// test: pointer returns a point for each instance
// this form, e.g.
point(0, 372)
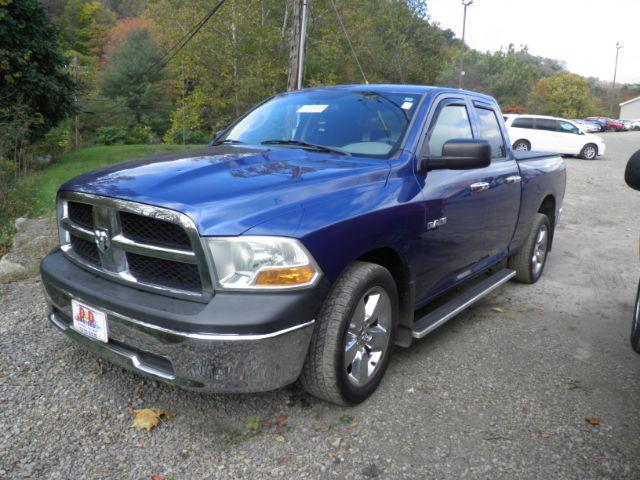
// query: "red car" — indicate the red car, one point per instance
point(610, 125)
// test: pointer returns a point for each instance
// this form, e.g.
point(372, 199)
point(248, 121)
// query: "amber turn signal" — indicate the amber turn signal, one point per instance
point(279, 277)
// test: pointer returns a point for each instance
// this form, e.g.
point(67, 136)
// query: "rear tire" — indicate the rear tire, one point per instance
point(521, 146)
point(529, 262)
point(635, 325)
point(589, 151)
point(353, 336)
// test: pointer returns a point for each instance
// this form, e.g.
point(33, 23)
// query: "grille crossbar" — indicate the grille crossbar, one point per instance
point(154, 248)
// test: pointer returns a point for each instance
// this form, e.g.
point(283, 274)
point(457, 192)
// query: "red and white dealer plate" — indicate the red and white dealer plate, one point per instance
point(89, 321)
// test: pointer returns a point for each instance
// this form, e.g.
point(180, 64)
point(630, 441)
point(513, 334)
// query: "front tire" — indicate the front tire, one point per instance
point(353, 336)
point(635, 325)
point(529, 262)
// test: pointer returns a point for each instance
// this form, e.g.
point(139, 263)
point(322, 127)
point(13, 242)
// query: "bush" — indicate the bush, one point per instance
point(141, 134)
point(111, 135)
point(56, 141)
point(189, 137)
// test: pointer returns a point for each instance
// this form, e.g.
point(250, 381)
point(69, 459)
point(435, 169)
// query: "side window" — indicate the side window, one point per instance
point(489, 130)
point(523, 123)
point(566, 127)
point(547, 124)
point(452, 122)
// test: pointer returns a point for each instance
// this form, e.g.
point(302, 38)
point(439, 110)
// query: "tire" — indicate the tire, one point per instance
point(635, 324)
point(521, 145)
point(343, 330)
point(589, 151)
point(529, 262)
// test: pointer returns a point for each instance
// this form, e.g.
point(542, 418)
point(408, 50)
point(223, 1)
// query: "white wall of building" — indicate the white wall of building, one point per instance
point(630, 110)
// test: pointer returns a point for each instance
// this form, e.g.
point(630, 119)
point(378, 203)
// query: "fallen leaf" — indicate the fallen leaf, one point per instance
point(345, 420)
point(157, 476)
point(148, 418)
point(544, 434)
point(280, 439)
point(497, 309)
point(280, 419)
point(265, 424)
point(592, 420)
point(253, 423)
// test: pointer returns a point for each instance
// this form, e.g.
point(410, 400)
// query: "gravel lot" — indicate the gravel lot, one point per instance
point(502, 391)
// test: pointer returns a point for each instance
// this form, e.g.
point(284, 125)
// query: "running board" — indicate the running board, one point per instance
point(442, 314)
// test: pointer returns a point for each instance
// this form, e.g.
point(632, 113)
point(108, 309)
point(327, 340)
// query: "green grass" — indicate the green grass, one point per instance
point(72, 164)
point(36, 195)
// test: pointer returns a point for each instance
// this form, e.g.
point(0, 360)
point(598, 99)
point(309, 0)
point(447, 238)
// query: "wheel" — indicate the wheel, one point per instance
point(635, 324)
point(522, 146)
point(529, 262)
point(353, 336)
point(589, 151)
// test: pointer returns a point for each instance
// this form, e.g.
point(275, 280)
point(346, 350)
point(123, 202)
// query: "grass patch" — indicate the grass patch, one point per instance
point(36, 195)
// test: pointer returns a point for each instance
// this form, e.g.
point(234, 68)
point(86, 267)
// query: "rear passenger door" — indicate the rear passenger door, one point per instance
point(503, 195)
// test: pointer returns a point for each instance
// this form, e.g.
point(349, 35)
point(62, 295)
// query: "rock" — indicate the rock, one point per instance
point(34, 238)
point(371, 471)
point(11, 271)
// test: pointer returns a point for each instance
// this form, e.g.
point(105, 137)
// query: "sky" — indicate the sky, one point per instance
point(581, 33)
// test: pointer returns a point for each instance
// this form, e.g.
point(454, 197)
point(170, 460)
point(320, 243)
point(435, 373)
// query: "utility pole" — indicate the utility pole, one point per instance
point(75, 99)
point(298, 38)
point(615, 73)
point(466, 3)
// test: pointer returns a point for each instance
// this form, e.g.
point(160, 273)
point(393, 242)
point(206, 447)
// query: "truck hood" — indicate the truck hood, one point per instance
point(229, 189)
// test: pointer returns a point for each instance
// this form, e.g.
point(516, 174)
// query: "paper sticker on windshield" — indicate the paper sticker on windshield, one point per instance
point(312, 108)
point(407, 105)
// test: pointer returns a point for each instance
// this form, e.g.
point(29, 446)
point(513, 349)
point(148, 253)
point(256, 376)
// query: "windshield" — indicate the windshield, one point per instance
point(358, 123)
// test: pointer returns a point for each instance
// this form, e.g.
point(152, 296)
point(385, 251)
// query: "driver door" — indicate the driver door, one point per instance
point(455, 202)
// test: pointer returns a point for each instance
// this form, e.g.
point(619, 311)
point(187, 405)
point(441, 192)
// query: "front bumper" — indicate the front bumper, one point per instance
point(154, 337)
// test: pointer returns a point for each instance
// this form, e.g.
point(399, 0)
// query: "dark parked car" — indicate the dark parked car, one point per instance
point(602, 126)
point(610, 125)
point(632, 177)
point(303, 241)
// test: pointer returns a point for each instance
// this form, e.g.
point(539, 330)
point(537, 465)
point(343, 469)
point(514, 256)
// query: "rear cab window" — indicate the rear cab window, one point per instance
point(489, 129)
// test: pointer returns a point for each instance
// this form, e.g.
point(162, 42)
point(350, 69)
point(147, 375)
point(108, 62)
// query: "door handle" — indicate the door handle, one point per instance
point(479, 187)
point(513, 179)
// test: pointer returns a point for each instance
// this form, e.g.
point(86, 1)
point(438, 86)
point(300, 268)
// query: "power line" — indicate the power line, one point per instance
point(353, 51)
point(173, 51)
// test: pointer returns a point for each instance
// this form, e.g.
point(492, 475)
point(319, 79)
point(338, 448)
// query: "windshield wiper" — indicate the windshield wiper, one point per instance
point(300, 143)
point(227, 141)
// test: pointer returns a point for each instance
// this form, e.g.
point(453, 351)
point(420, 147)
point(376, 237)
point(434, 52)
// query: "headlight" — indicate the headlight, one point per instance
point(261, 262)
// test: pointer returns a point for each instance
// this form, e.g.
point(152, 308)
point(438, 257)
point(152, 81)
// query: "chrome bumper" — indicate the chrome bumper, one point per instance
point(205, 362)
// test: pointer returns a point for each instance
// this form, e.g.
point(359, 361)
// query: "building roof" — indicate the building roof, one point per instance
point(630, 101)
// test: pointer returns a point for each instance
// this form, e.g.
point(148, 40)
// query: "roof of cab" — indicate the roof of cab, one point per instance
point(399, 88)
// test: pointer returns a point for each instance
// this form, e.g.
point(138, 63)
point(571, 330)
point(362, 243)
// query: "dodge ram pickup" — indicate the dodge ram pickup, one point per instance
point(315, 233)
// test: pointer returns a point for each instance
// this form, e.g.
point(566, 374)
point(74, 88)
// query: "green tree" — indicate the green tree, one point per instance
point(32, 76)
point(84, 27)
point(133, 78)
point(562, 94)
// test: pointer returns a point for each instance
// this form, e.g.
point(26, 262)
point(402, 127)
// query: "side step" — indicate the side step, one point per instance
point(440, 315)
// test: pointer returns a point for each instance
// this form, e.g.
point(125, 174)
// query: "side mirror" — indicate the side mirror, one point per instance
point(216, 137)
point(460, 154)
point(632, 173)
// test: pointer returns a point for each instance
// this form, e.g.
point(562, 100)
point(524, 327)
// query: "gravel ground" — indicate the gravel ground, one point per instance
point(502, 391)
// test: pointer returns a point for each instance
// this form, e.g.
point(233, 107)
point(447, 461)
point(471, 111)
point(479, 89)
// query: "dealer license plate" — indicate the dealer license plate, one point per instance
point(89, 321)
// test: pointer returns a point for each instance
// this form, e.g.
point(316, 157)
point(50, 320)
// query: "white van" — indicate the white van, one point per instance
point(551, 134)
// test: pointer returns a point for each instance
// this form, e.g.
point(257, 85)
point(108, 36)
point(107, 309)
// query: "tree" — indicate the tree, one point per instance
point(562, 94)
point(32, 76)
point(132, 76)
point(84, 27)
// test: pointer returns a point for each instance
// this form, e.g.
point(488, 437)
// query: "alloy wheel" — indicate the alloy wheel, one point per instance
point(367, 337)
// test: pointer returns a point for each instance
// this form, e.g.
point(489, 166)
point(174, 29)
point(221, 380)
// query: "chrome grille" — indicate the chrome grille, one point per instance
point(152, 248)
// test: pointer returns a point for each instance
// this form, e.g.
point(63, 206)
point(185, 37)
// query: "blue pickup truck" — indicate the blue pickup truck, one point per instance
point(316, 232)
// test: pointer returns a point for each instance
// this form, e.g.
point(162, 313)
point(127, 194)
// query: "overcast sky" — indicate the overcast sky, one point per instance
point(582, 33)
